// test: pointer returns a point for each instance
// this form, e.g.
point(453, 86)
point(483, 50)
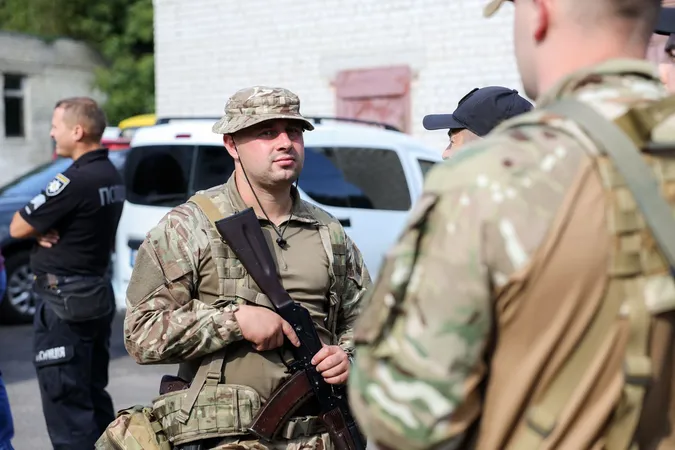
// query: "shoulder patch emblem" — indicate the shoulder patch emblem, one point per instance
point(57, 185)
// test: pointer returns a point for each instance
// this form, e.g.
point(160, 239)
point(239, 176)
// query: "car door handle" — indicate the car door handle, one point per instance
point(345, 222)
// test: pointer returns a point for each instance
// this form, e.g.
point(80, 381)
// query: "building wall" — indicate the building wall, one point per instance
point(207, 49)
point(50, 71)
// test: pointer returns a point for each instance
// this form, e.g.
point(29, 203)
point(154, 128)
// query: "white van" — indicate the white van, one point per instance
point(367, 177)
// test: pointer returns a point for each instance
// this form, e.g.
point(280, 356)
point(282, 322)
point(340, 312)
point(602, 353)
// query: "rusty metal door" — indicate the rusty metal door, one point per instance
point(381, 94)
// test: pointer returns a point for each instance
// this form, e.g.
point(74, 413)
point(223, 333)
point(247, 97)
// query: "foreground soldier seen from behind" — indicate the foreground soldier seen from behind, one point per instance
point(190, 300)
point(526, 304)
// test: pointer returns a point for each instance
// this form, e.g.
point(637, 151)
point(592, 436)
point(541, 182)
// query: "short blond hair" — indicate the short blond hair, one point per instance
point(644, 12)
point(84, 111)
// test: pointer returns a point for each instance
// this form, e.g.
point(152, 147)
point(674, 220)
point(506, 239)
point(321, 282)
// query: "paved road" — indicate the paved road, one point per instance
point(129, 383)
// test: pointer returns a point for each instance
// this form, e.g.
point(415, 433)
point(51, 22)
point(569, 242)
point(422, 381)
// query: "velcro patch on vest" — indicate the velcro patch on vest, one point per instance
point(340, 249)
point(55, 355)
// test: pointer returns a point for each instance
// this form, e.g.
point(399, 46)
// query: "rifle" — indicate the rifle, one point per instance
point(243, 235)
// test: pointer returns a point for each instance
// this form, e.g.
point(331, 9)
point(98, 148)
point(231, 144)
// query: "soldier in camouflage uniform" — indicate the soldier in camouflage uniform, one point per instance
point(189, 297)
point(514, 250)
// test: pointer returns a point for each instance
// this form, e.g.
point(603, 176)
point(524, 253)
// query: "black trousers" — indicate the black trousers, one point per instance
point(71, 360)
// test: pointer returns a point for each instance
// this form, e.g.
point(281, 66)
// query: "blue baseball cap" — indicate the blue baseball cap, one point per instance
point(480, 110)
point(666, 23)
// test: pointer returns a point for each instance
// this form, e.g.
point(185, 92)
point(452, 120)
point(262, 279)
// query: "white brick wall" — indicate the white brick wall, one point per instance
point(207, 49)
point(52, 70)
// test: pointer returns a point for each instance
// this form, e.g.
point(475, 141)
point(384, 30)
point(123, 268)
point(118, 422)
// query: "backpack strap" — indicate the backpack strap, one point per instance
point(221, 253)
point(334, 240)
point(624, 294)
point(208, 208)
point(211, 368)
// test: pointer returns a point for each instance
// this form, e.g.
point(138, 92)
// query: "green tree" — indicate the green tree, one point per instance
point(120, 30)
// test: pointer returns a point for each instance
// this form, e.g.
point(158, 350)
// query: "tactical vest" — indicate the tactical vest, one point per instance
point(210, 408)
point(639, 289)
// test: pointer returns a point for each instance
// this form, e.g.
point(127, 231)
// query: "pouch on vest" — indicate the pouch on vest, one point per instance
point(134, 428)
point(76, 299)
point(208, 408)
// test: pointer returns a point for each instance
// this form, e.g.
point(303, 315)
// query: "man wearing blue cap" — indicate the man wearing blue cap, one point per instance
point(664, 47)
point(476, 115)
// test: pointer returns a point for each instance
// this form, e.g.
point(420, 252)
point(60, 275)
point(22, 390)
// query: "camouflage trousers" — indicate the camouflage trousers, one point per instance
point(318, 442)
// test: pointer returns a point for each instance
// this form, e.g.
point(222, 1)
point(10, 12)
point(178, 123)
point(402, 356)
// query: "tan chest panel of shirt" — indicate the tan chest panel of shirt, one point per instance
point(303, 269)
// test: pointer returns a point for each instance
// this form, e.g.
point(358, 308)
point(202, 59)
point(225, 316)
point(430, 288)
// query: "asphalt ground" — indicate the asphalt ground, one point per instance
point(129, 384)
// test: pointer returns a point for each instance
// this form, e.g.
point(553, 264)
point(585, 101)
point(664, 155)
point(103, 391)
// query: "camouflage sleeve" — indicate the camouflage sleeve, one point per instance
point(421, 340)
point(163, 322)
point(357, 283)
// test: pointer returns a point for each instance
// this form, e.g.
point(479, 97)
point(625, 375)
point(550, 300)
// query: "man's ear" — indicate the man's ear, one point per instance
point(78, 133)
point(542, 11)
point(230, 146)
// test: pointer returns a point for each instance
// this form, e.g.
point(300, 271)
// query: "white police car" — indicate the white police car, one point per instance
point(368, 177)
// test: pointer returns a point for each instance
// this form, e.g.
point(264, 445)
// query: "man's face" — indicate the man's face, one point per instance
point(272, 153)
point(63, 133)
point(458, 139)
point(656, 53)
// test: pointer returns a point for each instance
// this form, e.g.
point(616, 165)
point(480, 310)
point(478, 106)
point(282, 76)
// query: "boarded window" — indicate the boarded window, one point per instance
point(381, 95)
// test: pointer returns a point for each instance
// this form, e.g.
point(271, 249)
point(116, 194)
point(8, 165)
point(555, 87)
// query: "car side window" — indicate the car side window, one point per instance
point(363, 178)
point(425, 166)
point(214, 166)
point(158, 175)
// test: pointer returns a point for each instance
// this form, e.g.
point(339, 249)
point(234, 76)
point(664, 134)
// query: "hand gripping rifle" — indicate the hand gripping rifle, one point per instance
point(243, 235)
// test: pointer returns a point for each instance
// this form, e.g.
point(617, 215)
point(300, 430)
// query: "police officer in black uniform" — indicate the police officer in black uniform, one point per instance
point(74, 219)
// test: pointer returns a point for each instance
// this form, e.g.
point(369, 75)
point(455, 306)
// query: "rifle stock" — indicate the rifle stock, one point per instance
point(281, 405)
point(242, 233)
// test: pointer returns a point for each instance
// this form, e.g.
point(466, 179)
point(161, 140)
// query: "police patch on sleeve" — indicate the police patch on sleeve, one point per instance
point(57, 185)
point(34, 204)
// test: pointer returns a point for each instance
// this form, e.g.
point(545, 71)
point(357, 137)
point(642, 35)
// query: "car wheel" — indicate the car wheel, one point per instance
point(18, 304)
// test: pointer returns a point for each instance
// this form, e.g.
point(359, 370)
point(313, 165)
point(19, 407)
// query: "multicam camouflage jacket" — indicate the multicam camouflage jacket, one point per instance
point(425, 339)
point(170, 314)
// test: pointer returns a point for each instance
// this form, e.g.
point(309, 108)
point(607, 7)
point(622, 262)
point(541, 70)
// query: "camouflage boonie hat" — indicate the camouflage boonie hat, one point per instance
point(492, 7)
point(256, 104)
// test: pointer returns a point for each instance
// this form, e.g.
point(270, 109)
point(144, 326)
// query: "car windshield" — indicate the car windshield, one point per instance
point(33, 181)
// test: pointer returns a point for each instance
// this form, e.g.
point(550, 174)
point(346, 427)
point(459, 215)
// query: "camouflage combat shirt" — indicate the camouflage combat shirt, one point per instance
point(170, 314)
point(424, 340)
